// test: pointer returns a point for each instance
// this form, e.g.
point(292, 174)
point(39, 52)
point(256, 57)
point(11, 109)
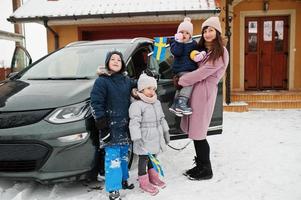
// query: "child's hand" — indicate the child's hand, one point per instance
point(179, 37)
point(199, 56)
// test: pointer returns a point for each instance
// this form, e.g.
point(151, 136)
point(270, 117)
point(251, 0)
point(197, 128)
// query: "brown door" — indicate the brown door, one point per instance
point(266, 53)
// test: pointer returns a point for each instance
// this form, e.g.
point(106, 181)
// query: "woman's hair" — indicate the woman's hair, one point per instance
point(216, 45)
point(108, 57)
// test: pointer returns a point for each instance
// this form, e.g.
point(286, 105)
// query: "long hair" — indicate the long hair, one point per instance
point(217, 47)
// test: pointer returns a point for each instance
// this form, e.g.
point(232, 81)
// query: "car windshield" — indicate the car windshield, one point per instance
point(74, 62)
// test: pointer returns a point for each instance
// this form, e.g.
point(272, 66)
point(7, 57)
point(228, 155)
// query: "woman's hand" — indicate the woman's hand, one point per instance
point(197, 56)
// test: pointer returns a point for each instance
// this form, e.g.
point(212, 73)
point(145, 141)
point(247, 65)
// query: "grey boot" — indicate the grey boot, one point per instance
point(173, 108)
point(182, 105)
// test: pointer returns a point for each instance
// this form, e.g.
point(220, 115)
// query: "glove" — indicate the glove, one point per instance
point(179, 37)
point(104, 135)
point(197, 56)
point(101, 123)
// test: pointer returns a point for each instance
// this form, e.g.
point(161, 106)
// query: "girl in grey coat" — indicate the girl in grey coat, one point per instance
point(149, 132)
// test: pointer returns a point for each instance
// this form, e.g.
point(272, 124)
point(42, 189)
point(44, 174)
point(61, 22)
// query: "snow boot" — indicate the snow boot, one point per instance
point(173, 108)
point(182, 106)
point(146, 186)
point(126, 185)
point(114, 195)
point(204, 172)
point(192, 170)
point(154, 178)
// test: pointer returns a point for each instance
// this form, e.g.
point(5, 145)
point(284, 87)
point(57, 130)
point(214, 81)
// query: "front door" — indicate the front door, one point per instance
point(266, 53)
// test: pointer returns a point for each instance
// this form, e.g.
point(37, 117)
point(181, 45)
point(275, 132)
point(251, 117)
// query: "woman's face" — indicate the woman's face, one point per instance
point(149, 91)
point(115, 63)
point(209, 34)
point(186, 36)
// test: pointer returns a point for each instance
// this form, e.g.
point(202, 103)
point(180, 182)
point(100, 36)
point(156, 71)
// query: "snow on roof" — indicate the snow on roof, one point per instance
point(76, 10)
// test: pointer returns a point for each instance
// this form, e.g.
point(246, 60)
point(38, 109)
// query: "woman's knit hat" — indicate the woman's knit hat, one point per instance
point(108, 57)
point(186, 25)
point(213, 22)
point(145, 81)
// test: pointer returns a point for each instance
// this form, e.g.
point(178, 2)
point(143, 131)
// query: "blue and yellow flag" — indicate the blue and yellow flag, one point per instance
point(160, 47)
point(156, 164)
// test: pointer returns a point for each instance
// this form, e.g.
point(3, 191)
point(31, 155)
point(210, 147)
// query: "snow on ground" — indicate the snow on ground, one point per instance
point(258, 157)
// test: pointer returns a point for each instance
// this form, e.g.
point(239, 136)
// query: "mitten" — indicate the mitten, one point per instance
point(199, 57)
point(179, 37)
point(105, 135)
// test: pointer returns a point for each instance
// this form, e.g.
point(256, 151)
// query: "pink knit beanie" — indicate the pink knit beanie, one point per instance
point(186, 25)
point(213, 22)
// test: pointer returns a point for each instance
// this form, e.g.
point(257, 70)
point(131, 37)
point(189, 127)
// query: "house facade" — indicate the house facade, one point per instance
point(264, 44)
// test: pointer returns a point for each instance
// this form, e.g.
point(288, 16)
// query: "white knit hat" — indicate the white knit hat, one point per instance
point(145, 81)
point(213, 22)
point(186, 25)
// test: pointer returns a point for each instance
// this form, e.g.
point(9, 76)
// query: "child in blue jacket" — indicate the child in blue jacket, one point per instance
point(110, 101)
point(181, 47)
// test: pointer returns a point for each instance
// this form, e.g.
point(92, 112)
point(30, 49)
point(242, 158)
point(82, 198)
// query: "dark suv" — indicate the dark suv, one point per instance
point(47, 132)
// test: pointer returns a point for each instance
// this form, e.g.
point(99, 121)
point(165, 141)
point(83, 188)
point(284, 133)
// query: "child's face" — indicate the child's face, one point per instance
point(149, 91)
point(115, 63)
point(209, 34)
point(186, 36)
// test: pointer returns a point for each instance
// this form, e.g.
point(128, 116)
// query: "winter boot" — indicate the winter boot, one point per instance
point(173, 108)
point(204, 172)
point(192, 170)
point(154, 178)
point(182, 106)
point(114, 195)
point(146, 186)
point(126, 185)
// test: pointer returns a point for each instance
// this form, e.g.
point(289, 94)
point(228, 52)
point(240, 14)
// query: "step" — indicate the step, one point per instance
point(291, 104)
point(236, 107)
point(266, 96)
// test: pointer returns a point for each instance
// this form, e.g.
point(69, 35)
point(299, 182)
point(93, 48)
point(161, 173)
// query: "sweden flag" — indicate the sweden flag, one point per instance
point(160, 47)
point(156, 164)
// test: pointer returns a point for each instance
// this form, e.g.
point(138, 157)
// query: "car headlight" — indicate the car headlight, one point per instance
point(73, 138)
point(71, 113)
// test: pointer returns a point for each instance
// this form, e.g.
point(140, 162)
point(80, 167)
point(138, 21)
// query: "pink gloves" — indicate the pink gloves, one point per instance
point(179, 37)
point(197, 56)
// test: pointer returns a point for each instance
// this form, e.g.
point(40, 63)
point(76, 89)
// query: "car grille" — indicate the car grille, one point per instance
point(23, 157)
point(15, 119)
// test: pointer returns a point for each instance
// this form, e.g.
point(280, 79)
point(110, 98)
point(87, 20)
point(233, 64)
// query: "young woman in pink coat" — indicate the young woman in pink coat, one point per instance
point(205, 80)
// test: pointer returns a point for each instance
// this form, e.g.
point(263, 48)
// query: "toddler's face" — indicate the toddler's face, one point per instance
point(149, 91)
point(115, 63)
point(186, 36)
point(209, 34)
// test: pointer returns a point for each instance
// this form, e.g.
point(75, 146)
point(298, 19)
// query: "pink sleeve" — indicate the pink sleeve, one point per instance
point(204, 71)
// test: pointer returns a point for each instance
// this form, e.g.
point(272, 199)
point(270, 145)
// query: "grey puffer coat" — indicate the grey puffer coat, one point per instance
point(148, 127)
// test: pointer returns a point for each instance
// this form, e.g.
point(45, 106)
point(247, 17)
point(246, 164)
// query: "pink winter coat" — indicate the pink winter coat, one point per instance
point(205, 80)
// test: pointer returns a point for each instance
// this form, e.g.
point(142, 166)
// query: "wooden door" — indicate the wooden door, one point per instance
point(266, 53)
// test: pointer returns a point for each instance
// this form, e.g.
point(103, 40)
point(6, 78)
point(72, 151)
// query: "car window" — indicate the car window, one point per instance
point(72, 62)
point(138, 62)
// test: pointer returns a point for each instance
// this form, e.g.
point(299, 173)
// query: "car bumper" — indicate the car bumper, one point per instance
point(34, 152)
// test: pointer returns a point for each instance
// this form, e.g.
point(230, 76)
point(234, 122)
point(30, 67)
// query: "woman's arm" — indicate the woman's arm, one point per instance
point(204, 71)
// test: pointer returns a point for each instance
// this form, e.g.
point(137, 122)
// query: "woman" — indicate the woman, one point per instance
point(205, 80)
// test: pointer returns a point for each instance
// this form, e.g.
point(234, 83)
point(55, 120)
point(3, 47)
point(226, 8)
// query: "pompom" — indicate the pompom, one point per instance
point(187, 19)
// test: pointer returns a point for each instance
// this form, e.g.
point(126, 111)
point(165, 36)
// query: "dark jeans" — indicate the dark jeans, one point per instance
point(142, 163)
point(202, 150)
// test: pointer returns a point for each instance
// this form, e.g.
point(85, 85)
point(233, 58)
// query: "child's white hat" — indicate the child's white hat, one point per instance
point(186, 25)
point(145, 81)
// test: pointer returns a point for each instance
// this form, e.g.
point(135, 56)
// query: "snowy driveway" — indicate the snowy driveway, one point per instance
point(258, 157)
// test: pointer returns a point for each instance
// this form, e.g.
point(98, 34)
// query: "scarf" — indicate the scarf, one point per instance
point(147, 99)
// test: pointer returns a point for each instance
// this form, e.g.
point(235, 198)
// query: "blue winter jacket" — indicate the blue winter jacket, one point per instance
point(110, 98)
point(181, 52)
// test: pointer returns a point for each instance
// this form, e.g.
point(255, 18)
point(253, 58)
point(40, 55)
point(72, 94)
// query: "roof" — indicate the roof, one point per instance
point(111, 11)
